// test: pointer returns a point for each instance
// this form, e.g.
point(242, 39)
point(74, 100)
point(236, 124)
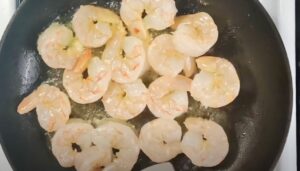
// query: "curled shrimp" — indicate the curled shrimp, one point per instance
point(195, 34)
point(66, 142)
point(127, 66)
point(168, 96)
point(160, 14)
point(58, 47)
point(217, 84)
point(95, 154)
point(95, 25)
point(52, 107)
point(125, 101)
point(90, 89)
point(92, 159)
point(160, 139)
point(205, 142)
point(122, 138)
point(164, 58)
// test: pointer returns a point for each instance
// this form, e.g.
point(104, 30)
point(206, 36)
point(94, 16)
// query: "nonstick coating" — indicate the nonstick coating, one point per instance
point(258, 120)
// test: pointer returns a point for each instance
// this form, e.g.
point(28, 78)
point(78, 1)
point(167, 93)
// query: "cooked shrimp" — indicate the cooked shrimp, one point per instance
point(90, 89)
point(128, 67)
point(205, 142)
point(160, 139)
point(131, 13)
point(92, 159)
point(195, 34)
point(217, 84)
point(164, 58)
point(95, 25)
point(160, 14)
point(52, 107)
point(58, 47)
point(125, 101)
point(65, 142)
point(122, 138)
point(95, 151)
point(167, 166)
point(168, 96)
point(190, 67)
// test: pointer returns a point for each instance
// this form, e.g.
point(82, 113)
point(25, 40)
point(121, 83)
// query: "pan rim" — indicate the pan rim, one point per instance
point(290, 81)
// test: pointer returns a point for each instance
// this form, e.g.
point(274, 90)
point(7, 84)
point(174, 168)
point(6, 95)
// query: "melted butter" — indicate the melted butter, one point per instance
point(155, 33)
point(54, 77)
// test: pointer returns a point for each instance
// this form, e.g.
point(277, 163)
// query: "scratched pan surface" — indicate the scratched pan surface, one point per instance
point(257, 121)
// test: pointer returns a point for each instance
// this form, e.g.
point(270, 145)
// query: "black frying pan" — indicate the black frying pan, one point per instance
point(258, 119)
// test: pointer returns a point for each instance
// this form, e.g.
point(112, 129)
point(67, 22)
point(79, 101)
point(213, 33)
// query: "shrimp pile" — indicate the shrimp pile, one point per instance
point(106, 65)
point(87, 148)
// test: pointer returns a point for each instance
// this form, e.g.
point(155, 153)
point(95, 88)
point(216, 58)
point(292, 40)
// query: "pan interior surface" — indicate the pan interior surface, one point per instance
point(256, 122)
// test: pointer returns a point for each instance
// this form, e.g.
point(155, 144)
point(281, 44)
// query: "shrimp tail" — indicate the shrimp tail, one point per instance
point(27, 104)
point(83, 61)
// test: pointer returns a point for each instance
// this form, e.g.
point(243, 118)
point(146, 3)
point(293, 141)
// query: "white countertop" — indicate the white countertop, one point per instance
point(282, 13)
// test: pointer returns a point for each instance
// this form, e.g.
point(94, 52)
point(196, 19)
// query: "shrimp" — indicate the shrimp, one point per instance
point(58, 47)
point(122, 138)
point(92, 159)
point(96, 152)
point(195, 34)
point(168, 96)
point(129, 66)
point(160, 139)
point(160, 14)
point(90, 89)
point(217, 84)
point(66, 142)
point(190, 67)
point(52, 107)
point(164, 58)
point(205, 142)
point(161, 166)
point(95, 25)
point(125, 101)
